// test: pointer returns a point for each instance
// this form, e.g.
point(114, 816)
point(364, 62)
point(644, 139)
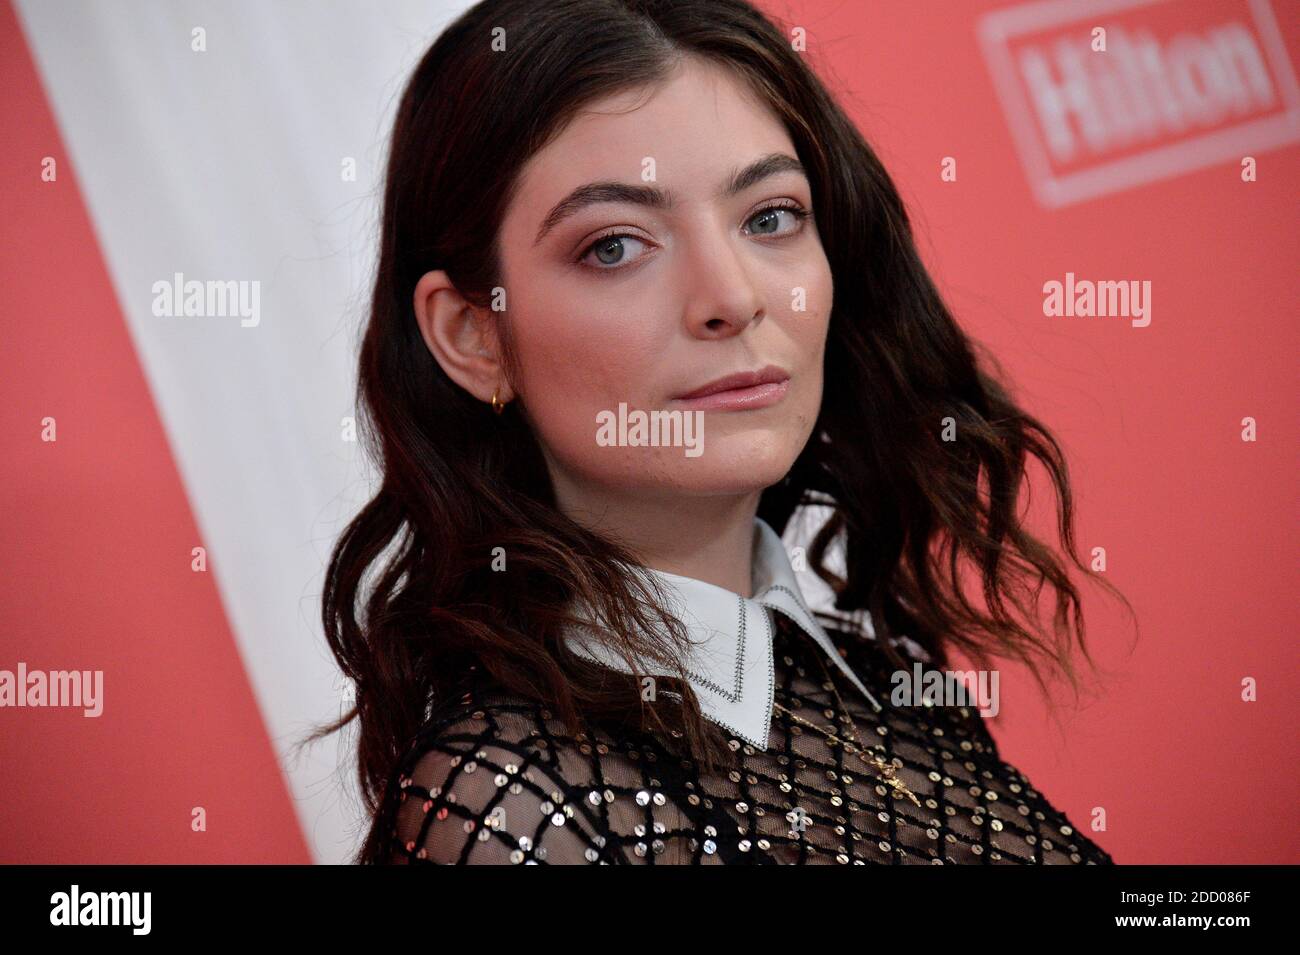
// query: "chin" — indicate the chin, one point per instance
point(734, 459)
point(740, 462)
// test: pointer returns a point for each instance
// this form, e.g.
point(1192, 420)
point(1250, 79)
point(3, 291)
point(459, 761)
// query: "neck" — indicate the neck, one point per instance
point(708, 538)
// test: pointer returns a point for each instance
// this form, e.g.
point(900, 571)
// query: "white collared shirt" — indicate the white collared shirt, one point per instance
point(731, 665)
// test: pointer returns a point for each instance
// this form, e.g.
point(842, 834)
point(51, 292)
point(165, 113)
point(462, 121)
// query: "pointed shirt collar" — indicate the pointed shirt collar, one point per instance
point(731, 664)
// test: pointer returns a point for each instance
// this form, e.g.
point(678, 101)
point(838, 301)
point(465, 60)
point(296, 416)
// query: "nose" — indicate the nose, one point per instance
point(722, 298)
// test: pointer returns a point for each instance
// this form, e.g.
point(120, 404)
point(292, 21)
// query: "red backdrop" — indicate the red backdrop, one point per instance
point(1052, 177)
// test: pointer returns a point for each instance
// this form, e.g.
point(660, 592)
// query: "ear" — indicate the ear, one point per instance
point(460, 337)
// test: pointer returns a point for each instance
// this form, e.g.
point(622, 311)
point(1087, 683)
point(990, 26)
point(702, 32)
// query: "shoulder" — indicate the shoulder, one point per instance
point(481, 784)
point(498, 780)
point(953, 745)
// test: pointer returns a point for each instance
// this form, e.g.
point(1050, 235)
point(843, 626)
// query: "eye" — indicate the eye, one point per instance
point(769, 219)
point(611, 251)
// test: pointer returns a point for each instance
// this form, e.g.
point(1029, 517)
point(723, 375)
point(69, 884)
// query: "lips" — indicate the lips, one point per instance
point(743, 391)
point(769, 375)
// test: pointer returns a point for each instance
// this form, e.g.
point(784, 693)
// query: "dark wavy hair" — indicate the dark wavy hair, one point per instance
point(910, 510)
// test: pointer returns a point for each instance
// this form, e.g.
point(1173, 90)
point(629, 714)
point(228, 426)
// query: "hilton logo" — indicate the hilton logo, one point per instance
point(1109, 94)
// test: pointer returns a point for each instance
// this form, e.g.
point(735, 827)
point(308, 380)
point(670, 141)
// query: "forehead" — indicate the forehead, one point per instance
point(697, 125)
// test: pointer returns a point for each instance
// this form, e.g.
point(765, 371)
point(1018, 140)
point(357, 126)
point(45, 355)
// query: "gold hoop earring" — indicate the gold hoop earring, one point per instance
point(497, 405)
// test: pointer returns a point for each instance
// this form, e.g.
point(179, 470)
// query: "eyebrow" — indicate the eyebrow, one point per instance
point(655, 198)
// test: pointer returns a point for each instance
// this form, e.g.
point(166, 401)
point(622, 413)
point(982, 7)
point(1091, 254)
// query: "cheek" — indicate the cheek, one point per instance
point(823, 296)
point(580, 358)
point(576, 362)
point(809, 332)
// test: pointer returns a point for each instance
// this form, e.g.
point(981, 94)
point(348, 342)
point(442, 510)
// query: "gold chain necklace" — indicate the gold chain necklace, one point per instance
point(888, 773)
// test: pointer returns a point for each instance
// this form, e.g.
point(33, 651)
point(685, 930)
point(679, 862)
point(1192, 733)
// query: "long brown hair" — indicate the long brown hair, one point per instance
point(910, 509)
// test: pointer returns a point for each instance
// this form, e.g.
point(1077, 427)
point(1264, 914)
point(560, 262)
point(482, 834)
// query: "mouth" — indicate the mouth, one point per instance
point(742, 391)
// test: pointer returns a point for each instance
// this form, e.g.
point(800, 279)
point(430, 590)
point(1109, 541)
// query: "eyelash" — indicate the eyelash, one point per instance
point(800, 213)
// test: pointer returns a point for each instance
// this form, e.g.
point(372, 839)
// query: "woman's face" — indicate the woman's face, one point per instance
point(613, 301)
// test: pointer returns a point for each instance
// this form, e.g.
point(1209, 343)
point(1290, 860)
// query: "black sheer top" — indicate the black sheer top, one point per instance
point(496, 780)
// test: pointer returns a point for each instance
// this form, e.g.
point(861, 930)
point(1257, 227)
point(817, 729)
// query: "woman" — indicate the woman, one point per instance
point(643, 291)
